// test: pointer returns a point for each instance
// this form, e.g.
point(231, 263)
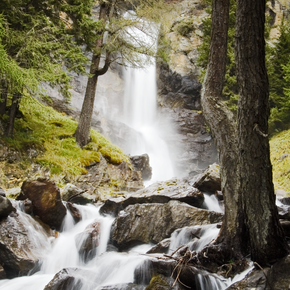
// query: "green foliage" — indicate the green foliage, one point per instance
point(230, 90)
point(52, 133)
point(279, 79)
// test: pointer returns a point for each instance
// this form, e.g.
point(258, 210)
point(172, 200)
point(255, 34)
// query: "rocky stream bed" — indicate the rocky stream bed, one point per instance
point(145, 239)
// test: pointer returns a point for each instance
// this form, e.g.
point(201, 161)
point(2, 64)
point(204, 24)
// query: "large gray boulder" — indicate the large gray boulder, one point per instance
point(151, 223)
point(209, 180)
point(159, 192)
point(18, 252)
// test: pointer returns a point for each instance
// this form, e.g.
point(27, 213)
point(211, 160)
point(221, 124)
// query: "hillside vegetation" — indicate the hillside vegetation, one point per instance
point(50, 134)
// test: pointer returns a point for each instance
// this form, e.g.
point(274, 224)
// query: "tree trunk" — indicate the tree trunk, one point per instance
point(223, 127)
point(82, 133)
point(266, 236)
point(4, 93)
point(13, 111)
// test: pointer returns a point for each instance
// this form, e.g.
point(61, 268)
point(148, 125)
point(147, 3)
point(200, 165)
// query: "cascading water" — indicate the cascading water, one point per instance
point(140, 113)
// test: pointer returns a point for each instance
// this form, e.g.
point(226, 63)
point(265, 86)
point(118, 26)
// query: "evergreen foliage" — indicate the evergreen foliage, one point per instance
point(279, 79)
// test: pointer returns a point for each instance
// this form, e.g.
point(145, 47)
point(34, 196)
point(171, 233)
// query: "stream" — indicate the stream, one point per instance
point(105, 268)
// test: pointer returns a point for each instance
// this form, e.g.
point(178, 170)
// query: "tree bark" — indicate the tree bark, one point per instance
point(4, 93)
point(266, 236)
point(13, 111)
point(82, 133)
point(223, 127)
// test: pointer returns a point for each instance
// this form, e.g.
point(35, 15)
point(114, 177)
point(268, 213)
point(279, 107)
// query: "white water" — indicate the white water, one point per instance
point(106, 268)
point(140, 113)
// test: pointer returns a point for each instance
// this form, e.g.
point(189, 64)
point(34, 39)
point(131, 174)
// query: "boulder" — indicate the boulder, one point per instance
point(160, 192)
point(18, 253)
point(65, 279)
point(5, 207)
point(209, 181)
point(135, 224)
point(161, 247)
point(74, 194)
point(88, 241)
point(2, 192)
point(2, 273)
point(141, 163)
point(76, 214)
point(46, 201)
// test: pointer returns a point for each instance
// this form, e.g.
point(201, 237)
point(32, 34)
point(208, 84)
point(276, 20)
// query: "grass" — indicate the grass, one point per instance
point(280, 145)
point(51, 133)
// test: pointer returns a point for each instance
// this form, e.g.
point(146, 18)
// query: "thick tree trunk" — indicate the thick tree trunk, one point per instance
point(13, 111)
point(266, 235)
point(82, 133)
point(223, 127)
point(4, 93)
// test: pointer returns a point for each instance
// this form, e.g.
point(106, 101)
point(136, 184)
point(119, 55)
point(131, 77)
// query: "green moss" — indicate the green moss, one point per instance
point(185, 27)
point(51, 133)
point(158, 283)
point(280, 146)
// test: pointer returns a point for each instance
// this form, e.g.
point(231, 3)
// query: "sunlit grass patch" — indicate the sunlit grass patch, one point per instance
point(51, 133)
point(280, 158)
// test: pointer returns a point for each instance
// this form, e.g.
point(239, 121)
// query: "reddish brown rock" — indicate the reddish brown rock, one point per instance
point(46, 201)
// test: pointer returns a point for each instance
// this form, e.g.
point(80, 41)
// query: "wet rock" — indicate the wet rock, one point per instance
point(141, 163)
point(209, 181)
point(5, 207)
point(125, 286)
point(135, 224)
point(88, 241)
point(2, 273)
point(161, 282)
point(2, 192)
point(76, 214)
point(161, 247)
point(65, 279)
point(46, 201)
point(17, 248)
point(160, 192)
point(286, 227)
point(279, 274)
point(74, 194)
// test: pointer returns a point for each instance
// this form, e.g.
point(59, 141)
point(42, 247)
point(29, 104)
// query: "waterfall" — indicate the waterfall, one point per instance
point(140, 113)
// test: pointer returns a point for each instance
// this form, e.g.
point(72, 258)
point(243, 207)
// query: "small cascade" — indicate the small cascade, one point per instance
point(212, 203)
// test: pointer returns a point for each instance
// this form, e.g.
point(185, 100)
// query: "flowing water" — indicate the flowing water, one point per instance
point(105, 267)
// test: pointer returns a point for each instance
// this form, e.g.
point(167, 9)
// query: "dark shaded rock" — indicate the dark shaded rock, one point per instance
point(209, 181)
point(28, 207)
point(2, 273)
point(254, 280)
point(285, 200)
point(284, 212)
point(141, 163)
point(5, 207)
point(74, 194)
point(2, 192)
point(161, 247)
point(134, 225)
point(88, 241)
point(17, 247)
point(177, 90)
point(46, 201)
point(286, 227)
point(190, 276)
point(160, 192)
point(65, 279)
point(279, 274)
point(76, 214)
